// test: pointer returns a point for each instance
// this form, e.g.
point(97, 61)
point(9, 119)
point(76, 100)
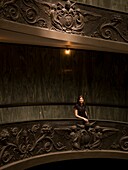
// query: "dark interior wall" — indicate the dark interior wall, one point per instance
point(119, 5)
point(78, 163)
point(42, 82)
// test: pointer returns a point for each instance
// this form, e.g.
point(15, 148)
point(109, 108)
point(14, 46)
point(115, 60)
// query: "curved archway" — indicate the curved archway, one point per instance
point(91, 163)
point(63, 157)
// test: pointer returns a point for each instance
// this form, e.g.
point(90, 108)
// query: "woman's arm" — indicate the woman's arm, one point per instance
point(80, 117)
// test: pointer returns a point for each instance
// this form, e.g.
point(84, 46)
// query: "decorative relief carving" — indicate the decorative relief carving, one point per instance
point(123, 140)
point(68, 17)
point(113, 29)
point(20, 142)
point(92, 138)
point(24, 11)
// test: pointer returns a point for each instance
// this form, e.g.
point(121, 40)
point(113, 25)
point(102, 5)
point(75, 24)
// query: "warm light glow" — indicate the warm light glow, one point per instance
point(67, 51)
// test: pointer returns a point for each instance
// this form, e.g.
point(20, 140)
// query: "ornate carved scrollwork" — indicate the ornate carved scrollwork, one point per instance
point(27, 140)
point(26, 12)
point(67, 17)
point(92, 138)
point(112, 29)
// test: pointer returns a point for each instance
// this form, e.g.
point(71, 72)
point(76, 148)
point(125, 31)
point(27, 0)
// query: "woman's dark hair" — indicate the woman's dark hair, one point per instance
point(79, 98)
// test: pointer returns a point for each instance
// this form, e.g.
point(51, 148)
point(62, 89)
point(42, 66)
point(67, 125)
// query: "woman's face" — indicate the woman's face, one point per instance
point(81, 100)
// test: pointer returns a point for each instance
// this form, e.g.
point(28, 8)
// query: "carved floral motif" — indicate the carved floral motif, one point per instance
point(111, 29)
point(68, 17)
point(20, 142)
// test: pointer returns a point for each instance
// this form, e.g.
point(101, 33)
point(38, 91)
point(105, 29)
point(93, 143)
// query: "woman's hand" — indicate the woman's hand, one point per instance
point(86, 120)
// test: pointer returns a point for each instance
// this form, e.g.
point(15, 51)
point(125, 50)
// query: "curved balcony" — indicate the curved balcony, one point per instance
point(62, 24)
point(28, 144)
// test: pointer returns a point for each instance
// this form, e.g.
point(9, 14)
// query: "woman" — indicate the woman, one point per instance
point(80, 110)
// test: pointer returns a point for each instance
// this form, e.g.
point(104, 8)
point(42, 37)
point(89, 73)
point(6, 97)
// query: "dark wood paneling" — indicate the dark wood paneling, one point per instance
point(42, 82)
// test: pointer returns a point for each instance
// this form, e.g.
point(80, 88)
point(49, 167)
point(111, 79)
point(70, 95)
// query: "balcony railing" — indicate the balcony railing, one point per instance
point(39, 142)
point(63, 23)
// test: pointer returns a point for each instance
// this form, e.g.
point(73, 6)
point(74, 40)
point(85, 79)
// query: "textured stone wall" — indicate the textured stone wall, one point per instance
point(120, 5)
